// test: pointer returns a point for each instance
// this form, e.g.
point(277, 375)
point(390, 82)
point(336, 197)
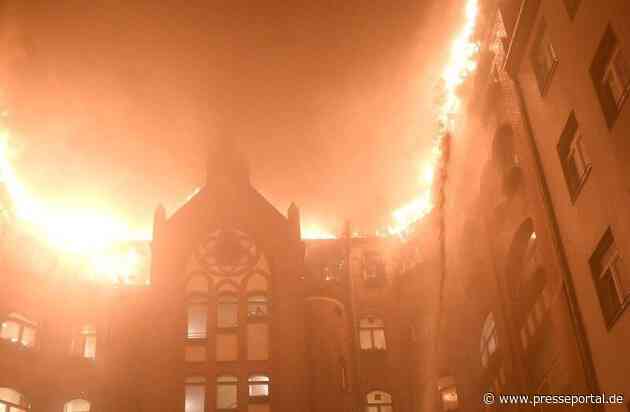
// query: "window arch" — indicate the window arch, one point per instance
point(257, 306)
point(77, 405)
point(372, 333)
point(489, 341)
point(13, 401)
point(259, 387)
point(84, 342)
point(227, 393)
point(195, 394)
point(197, 318)
point(378, 401)
point(19, 329)
point(227, 311)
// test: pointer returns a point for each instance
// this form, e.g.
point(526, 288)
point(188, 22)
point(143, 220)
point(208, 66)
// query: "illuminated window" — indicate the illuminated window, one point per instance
point(610, 73)
point(489, 341)
point(227, 311)
point(543, 57)
point(372, 333)
point(197, 319)
point(257, 306)
point(378, 401)
point(84, 342)
point(227, 393)
point(195, 394)
point(258, 387)
point(13, 401)
point(19, 329)
point(611, 278)
point(573, 156)
point(77, 405)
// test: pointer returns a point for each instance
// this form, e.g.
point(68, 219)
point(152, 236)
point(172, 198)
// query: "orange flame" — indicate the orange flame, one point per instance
point(462, 62)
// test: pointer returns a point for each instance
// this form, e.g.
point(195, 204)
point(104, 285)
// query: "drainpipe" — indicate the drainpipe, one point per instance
point(574, 309)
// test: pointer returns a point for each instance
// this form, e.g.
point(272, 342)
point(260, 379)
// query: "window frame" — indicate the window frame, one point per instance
point(607, 50)
point(24, 405)
point(219, 383)
point(613, 268)
point(371, 331)
point(380, 406)
point(235, 303)
point(65, 405)
point(251, 383)
point(197, 381)
point(197, 300)
point(79, 341)
point(22, 323)
point(253, 317)
point(571, 142)
point(543, 39)
point(488, 333)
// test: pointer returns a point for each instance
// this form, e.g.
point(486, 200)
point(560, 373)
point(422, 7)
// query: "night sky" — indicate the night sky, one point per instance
point(114, 101)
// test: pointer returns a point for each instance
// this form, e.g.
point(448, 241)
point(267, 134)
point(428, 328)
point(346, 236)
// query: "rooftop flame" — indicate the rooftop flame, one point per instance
point(462, 62)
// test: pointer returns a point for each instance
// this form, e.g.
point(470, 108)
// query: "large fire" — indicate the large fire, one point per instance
point(462, 62)
point(89, 235)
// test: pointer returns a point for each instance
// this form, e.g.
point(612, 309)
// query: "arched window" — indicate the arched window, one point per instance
point(489, 342)
point(19, 329)
point(195, 394)
point(77, 405)
point(84, 342)
point(13, 401)
point(197, 318)
point(378, 401)
point(257, 306)
point(258, 387)
point(227, 393)
point(227, 311)
point(372, 333)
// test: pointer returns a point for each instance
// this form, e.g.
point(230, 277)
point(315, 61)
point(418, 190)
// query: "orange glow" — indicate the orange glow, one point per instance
point(316, 232)
point(462, 62)
point(85, 234)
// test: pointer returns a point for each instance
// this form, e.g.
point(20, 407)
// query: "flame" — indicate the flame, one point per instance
point(89, 234)
point(461, 64)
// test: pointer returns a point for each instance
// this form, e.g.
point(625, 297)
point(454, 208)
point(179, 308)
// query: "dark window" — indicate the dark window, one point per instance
point(575, 162)
point(611, 75)
point(543, 57)
point(610, 277)
point(373, 268)
point(572, 7)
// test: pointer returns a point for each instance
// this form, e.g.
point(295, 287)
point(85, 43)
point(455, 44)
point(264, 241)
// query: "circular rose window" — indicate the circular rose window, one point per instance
point(227, 253)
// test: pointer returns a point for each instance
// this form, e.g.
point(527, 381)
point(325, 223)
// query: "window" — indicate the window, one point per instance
point(195, 394)
point(372, 334)
point(489, 341)
point(227, 393)
point(227, 311)
point(373, 267)
point(378, 401)
point(572, 7)
point(610, 73)
point(610, 277)
point(543, 57)
point(573, 157)
point(343, 369)
point(77, 405)
point(19, 329)
point(258, 387)
point(257, 306)
point(12, 401)
point(197, 319)
point(84, 342)
point(195, 352)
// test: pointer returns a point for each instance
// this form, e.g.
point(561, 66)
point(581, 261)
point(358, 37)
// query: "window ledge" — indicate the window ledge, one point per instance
point(576, 192)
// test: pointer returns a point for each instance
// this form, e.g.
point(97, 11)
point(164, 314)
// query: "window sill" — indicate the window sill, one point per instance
point(259, 399)
point(576, 192)
point(611, 323)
